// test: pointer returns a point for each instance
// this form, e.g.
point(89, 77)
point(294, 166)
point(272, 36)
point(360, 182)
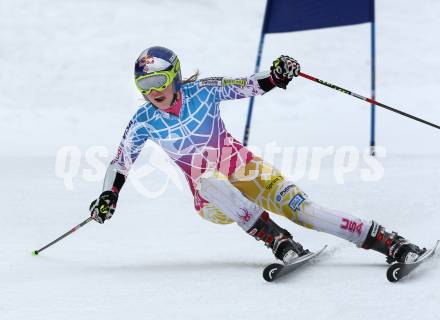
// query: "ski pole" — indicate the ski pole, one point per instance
point(335, 87)
point(36, 252)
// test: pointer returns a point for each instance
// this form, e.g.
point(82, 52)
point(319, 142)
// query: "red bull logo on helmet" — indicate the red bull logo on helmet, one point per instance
point(145, 61)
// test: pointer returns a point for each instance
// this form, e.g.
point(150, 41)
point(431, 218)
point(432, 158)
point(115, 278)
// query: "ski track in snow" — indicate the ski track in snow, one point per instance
point(67, 80)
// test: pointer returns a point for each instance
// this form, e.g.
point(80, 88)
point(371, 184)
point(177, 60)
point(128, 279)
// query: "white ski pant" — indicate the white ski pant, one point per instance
point(242, 197)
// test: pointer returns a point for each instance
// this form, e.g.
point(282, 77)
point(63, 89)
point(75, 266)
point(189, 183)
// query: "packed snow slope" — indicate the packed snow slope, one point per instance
point(66, 80)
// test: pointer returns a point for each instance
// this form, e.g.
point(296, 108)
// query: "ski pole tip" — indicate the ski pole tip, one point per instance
point(35, 253)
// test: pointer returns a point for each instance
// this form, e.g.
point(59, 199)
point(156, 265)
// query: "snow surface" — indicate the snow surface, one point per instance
point(66, 80)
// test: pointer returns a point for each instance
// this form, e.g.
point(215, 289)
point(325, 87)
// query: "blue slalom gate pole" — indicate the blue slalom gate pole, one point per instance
point(257, 69)
point(251, 100)
point(373, 83)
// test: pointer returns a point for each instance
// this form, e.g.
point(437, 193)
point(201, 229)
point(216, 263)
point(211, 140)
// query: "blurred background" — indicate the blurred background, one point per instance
point(67, 71)
point(67, 80)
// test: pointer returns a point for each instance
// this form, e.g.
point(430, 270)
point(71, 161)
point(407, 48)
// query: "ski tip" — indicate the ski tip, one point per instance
point(35, 253)
point(270, 272)
point(393, 273)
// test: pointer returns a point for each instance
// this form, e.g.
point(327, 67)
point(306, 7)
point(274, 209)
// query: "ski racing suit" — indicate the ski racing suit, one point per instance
point(228, 182)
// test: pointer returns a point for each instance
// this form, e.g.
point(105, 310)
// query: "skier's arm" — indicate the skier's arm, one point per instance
point(113, 180)
point(238, 88)
point(282, 71)
point(133, 140)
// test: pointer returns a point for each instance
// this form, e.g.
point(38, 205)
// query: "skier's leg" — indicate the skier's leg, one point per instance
point(213, 214)
point(272, 191)
point(221, 194)
point(227, 204)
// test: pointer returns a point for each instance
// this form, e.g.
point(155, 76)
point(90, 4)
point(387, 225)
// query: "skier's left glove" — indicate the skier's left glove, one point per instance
point(283, 70)
point(103, 208)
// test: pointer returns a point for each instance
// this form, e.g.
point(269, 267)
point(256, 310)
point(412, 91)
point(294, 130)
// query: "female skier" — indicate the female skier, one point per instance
point(228, 182)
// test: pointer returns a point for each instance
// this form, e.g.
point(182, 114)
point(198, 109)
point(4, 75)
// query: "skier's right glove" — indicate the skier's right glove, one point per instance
point(283, 70)
point(103, 208)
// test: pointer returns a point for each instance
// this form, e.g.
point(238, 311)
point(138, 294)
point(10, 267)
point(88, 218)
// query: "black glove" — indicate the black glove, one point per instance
point(103, 208)
point(283, 70)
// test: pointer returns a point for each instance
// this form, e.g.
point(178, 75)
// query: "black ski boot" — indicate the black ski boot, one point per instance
point(395, 247)
point(276, 238)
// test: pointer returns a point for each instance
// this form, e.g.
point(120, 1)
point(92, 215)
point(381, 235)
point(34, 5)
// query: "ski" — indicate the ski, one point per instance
point(277, 270)
point(398, 270)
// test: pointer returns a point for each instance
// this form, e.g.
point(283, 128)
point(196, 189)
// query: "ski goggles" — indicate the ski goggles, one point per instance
point(158, 80)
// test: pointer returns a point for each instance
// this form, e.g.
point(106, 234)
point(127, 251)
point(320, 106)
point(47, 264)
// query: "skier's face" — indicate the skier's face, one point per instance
point(161, 99)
